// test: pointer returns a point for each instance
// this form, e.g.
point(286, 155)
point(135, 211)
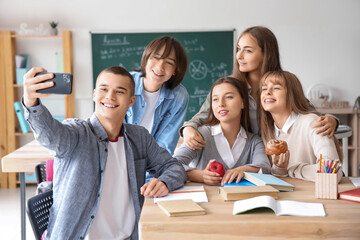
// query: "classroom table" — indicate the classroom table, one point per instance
point(24, 160)
point(342, 219)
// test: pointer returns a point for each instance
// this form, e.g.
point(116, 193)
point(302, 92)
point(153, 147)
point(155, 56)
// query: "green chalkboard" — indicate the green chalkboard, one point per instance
point(210, 56)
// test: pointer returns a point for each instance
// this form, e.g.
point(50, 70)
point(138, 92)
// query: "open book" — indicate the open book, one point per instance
point(283, 207)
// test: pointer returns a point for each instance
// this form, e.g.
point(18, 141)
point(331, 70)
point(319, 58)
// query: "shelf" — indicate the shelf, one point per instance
point(29, 182)
point(12, 90)
point(340, 111)
point(24, 134)
point(36, 36)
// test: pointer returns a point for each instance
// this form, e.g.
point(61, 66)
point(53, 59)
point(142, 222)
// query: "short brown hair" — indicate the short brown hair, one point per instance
point(117, 70)
point(181, 61)
point(242, 88)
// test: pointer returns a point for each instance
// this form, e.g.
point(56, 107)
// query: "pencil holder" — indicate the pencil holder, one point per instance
point(326, 185)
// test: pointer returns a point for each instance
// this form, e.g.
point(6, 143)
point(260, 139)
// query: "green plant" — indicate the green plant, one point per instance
point(53, 24)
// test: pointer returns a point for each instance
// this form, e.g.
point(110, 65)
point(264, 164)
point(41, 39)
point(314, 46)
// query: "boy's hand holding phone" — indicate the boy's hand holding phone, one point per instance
point(39, 83)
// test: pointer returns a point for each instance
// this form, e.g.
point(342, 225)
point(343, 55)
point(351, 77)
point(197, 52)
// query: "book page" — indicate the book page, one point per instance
point(295, 208)
point(242, 206)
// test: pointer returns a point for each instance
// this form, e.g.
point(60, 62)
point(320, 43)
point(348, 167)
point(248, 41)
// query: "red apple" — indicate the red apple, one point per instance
point(217, 167)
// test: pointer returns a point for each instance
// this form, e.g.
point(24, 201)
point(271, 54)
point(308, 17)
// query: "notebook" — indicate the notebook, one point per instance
point(243, 182)
point(196, 193)
point(25, 128)
point(244, 192)
point(267, 179)
point(183, 207)
point(351, 195)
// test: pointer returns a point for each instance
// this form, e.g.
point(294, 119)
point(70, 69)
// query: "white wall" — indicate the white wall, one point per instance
point(319, 39)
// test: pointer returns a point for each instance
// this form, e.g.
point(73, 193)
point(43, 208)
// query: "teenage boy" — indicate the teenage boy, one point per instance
point(100, 163)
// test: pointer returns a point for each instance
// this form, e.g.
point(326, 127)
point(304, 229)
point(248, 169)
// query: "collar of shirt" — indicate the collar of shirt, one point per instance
point(165, 93)
point(289, 122)
point(229, 156)
point(216, 130)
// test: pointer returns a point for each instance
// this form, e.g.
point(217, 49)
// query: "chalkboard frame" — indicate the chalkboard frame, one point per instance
point(197, 47)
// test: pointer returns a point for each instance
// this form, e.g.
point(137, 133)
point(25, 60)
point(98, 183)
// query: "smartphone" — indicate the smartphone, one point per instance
point(62, 83)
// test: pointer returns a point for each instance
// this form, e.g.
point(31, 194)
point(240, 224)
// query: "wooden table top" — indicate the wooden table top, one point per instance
point(25, 158)
point(342, 220)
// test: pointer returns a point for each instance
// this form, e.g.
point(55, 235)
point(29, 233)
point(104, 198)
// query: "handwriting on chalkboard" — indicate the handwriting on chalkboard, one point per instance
point(110, 53)
point(192, 45)
point(199, 70)
point(115, 41)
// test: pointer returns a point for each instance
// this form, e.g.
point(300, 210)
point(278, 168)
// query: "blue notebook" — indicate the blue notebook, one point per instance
point(20, 115)
point(243, 182)
point(268, 179)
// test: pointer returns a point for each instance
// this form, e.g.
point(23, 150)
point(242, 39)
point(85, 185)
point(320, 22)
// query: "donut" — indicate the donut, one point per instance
point(276, 147)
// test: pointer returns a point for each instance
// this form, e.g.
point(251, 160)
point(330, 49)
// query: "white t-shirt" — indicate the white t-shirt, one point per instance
point(151, 98)
point(115, 218)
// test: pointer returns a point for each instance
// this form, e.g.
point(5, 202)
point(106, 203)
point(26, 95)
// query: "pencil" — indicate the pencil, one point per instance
point(320, 163)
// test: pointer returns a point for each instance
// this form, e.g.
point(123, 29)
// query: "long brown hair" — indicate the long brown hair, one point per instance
point(267, 41)
point(295, 98)
point(181, 61)
point(242, 88)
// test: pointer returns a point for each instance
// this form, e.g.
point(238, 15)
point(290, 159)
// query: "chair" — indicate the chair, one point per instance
point(343, 132)
point(38, 210)
point(40, 172)
point(44, 171)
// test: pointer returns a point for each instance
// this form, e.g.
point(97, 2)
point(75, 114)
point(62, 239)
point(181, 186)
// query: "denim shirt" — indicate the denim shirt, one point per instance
point(80, 150)
point(169, 115)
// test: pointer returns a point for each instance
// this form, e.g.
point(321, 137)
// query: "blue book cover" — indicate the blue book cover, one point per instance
point(20, 115)
point(243, 182)
point(268, 179)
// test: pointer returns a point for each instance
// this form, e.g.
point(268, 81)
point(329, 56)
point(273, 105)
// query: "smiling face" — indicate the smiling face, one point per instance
point(274, 96)
point(249, 55)
point(159, 70)
point(227, 103)
point(112, 97)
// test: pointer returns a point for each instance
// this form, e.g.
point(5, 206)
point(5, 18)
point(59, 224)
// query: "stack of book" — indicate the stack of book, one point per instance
point(254, 184)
